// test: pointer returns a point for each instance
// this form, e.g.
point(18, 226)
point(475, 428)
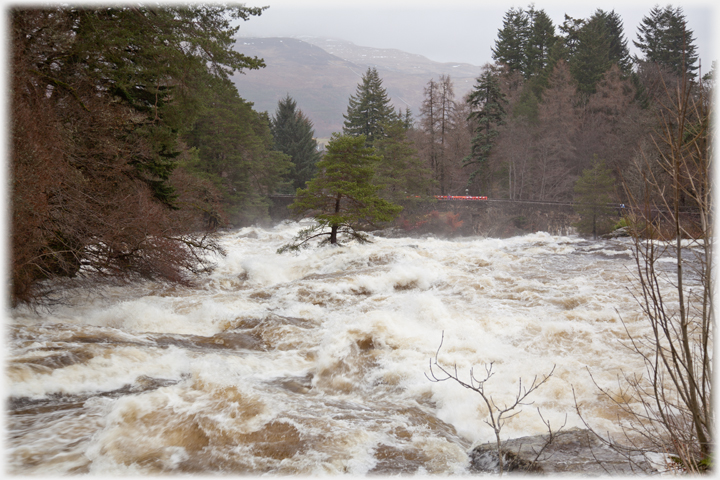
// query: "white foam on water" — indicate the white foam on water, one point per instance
point(102, 373)
point(354, 329)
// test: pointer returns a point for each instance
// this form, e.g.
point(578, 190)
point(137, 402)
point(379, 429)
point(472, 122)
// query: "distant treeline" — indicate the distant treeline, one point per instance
point(130, 145)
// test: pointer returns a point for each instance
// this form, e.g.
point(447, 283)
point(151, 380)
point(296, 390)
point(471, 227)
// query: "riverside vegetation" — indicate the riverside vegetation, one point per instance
point(130, 147)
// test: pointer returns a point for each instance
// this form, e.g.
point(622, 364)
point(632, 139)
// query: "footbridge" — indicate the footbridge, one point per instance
point(501, 217)
point(480, 215)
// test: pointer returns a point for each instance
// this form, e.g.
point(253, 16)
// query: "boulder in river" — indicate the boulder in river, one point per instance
point(573, 451)
point(620, 232)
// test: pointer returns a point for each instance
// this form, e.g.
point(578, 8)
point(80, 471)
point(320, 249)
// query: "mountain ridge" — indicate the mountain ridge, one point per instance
point(321, 74)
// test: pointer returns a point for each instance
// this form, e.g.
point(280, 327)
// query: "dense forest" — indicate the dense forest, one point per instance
point(130, 145)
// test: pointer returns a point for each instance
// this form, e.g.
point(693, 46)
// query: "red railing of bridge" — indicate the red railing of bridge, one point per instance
point(459, 197)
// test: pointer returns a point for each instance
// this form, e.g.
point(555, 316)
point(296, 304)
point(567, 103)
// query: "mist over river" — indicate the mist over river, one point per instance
point(315, 363)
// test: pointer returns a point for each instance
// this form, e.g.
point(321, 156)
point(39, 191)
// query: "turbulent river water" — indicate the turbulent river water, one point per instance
point(316, 362)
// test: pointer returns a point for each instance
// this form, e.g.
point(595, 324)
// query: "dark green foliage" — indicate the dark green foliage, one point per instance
point(594, 192)
point(293, 134)
point(488, 113)
point(369, 109)
point(664, 38)
point(541, 40)
point(592, 46)
point(408, 122)
point(619, 53)
point(401, 173)
point(571, 35)
point(342, 197)
point(527, 105)
point(592, 54)
point(527, 44)
point(235, 151)
point(102, 99)
point(511, 45)
point(151, 59)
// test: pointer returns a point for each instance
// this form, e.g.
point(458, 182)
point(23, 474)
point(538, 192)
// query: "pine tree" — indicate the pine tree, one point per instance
point(173, 48)
point(488, 113)
point(101, 99)
point(664, 38)
point(540, 41)
point(407, 118)
point(342, 197)
point(619, 53)
point(571, 35)
point(594, 191)
point(369, 109)
point(511, 45)
point(592, 56)
point(401, 173)
point(234, 150)
point(293, 135)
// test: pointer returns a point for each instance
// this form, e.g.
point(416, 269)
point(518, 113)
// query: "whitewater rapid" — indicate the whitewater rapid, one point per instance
point(317, 362)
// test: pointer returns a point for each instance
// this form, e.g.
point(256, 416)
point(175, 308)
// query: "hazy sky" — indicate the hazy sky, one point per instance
point(451, 30)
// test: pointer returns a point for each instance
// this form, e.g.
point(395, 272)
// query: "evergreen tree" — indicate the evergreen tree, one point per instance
point(540, 41)
point(407, 118)
point(151, 58)
point(488, 113)
point(101, 100)
point(511, 45)
point(571, 35)
point(594, 191)
point(401, 173)
point(342, 197)
point(293, 134)
point(369, 109)
point(619, 53)
point(235, 150)
point(664, 39)
point(591, 58)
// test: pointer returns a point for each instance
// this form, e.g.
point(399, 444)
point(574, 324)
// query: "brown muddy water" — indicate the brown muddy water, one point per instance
point(315, 363)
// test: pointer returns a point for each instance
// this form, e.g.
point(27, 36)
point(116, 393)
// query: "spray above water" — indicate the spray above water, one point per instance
point(315, 362)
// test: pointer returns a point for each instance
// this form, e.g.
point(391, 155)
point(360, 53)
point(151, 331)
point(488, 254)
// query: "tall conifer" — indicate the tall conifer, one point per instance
point(511, 44)
point(293, 135)
point(342, 197)
point(488, 113)
point(541, 39)
point(592, 56)
point(664, 38)
point(369, 109)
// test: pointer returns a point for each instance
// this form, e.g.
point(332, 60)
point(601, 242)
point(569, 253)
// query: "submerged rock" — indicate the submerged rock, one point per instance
point(620, 232)
point(574, 451)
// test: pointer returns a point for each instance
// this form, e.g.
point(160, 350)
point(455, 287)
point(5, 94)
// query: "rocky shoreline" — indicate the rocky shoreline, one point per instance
point(571, 452)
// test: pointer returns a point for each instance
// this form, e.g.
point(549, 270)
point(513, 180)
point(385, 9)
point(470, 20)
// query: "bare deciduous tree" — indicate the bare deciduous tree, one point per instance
point(497, 414)
point(670, 407)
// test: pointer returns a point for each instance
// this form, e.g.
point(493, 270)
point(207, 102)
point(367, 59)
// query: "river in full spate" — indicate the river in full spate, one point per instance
point(316, 362)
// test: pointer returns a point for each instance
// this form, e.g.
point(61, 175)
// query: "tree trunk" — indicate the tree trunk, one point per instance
point(334, 228)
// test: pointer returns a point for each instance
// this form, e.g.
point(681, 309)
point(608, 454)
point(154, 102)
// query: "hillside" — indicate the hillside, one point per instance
point(321, 74)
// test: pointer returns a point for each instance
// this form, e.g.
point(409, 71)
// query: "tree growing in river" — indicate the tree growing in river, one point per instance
point(342, 197)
